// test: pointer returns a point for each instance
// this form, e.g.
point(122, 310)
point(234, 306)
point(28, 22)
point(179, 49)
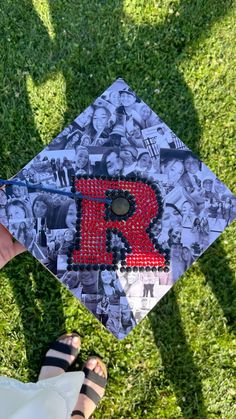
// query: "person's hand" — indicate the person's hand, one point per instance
point(8, 248)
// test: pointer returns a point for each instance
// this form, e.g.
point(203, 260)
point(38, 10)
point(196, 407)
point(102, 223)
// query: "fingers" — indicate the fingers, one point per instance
point(18, 248)
point(3, 229)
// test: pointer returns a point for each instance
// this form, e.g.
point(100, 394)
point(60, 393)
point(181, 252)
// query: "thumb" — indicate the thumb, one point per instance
point(18, 248)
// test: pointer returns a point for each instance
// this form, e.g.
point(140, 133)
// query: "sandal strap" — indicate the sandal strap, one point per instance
point(77, 412)
point(90, 393)
point(56, 362)
point(94, 377)
point(64, 348)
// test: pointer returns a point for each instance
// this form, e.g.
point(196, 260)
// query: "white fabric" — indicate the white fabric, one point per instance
point(53, 398)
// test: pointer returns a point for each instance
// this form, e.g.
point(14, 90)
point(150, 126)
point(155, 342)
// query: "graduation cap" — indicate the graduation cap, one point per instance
point(117, 222)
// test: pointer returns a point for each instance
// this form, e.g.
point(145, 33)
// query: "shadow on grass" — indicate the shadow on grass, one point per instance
point(38, 296)
point(214, 264)
point(90, 49)
point(169, 336)
point(177, 358)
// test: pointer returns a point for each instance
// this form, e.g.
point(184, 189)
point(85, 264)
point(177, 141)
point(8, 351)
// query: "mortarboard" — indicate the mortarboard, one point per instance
point(117, 208)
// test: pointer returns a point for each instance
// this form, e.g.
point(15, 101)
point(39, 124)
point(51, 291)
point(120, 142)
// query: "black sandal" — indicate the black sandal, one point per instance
point(77, 412)
point(64, 348)
point(87, 390)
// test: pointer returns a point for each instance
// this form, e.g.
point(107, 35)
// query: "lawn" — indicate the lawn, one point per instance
point(57, 56)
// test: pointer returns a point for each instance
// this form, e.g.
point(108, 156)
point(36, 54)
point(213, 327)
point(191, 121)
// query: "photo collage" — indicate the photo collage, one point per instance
point(117, 135)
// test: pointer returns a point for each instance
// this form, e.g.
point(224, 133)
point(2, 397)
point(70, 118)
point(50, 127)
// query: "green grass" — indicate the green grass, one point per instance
point(180, 57)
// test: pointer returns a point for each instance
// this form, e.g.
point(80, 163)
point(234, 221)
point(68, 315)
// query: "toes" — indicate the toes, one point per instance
point(91, 363)
point(97, 369)
point(101, 372)
point(75, 341)
point(71, 341)
point(67, 340)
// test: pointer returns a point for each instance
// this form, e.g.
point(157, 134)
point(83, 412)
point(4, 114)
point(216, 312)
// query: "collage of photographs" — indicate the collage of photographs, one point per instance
point(117, 135)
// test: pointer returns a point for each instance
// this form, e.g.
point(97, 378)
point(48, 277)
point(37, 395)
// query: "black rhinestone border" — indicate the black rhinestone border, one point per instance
point(114, 267)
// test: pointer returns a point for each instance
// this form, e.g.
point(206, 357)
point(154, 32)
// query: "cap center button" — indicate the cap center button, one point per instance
point(120, 206)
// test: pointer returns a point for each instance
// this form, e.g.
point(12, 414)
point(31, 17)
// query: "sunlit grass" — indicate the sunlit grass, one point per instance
point(56, 57)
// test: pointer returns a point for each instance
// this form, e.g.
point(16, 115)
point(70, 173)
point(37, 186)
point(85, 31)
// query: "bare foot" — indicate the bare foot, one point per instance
point(84, 403)
point(48, 371)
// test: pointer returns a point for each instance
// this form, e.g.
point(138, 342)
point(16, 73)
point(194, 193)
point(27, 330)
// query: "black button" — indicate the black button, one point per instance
point(120, 206)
